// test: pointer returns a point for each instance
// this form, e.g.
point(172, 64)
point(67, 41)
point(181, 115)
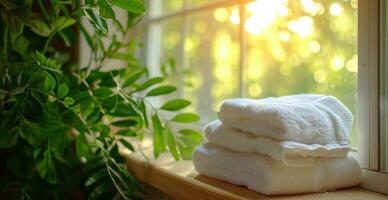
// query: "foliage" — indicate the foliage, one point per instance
point(61, 124)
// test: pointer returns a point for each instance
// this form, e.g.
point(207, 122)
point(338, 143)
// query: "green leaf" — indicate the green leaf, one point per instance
point(175, 104)
point(185, 150)
point(39, 27)
point(97, 177)
point(49, 83)
point(149, 83)
point(8, 139)
point(158, 139)
point(134, 77)
point(47, 63)
point(171, 143)
point(96, 20)
point(65, 39)
point(82, 147)
point(95, 116)
point(103, 129)
point(87, 36)
point(127, 144)
point(123, 110)
point(31, 132)
point(193, 134)
point(103, 187)
point(62, 22)
point(102, 92)
point(126, 132)
point(186, 118)
point(106, 9)
point(161, 91)
point(46, 168)
point(110, 103)
point(143, 109)
point(133, 6)
point(62, 90)
point(68, 101)
point(187, 141)
point(124, 123)
point(18, 90)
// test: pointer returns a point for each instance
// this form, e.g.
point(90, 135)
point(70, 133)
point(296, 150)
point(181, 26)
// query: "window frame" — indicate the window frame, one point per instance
point(369, 60)
point(367, 97)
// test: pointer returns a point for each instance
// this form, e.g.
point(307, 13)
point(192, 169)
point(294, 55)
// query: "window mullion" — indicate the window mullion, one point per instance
point(373, 87)
point(368, 84)
point(242, 42)
point(182, 55)
point(383, 88)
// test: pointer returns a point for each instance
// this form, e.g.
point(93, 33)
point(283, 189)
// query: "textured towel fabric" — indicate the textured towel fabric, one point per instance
point(290, 153)
point(271, 177)
point(306, 118)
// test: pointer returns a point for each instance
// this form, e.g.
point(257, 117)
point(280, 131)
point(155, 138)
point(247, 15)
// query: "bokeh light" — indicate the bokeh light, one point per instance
point(336, 9)
point(320, 76)
point(337, 63)
point(221, 14)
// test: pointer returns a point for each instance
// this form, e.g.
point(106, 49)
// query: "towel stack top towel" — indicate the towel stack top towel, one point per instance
point(305, 118)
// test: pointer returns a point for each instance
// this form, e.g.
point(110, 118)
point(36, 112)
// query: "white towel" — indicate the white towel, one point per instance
point(290, 153)
point(308, 119)
point(271, 177)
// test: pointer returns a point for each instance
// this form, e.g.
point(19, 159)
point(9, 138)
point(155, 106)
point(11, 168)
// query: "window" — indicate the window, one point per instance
point(260, 48)
point(278, 47)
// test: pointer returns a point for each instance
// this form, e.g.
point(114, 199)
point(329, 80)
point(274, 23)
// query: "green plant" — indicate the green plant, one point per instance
point(60, 123)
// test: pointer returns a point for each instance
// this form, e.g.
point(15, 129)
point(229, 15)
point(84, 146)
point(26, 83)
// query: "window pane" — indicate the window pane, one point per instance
point(211, 51)
point(302, 46)
point(158, 7)
point(384, 91)
point(199, 2)
point(163, 44)
point(164, 41)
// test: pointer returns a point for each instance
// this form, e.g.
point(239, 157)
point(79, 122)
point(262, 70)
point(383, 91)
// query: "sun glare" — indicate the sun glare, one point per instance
point(304, 26)
point(234, 17)
point(263, 13)
point(335, 9)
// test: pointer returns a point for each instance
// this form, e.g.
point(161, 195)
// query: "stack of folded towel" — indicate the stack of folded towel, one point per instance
point(284, 145)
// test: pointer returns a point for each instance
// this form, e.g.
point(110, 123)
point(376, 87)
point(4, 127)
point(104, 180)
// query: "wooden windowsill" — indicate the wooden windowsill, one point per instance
point(180, 180)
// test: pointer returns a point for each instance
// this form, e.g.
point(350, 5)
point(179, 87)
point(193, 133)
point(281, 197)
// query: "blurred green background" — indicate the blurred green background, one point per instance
point(288, 47)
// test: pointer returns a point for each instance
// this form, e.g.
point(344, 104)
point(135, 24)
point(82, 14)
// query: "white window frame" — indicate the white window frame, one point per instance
point(370, 13)
point(369, 48)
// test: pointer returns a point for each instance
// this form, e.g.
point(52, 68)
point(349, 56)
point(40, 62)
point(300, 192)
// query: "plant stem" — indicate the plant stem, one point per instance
point(48, 41)
point(114, 182)
point(43, 9)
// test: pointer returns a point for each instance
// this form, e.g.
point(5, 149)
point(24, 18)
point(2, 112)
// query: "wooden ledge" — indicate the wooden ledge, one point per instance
point(180, 180)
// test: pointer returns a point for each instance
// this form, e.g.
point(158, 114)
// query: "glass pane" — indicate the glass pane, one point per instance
point(302, 46)
point(384, 91)
point(158, 7)
point(211, 50)
point(140, 35)
point(164, 43)
point(194, 3)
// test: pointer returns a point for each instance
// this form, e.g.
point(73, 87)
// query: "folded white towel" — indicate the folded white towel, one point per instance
point(308, 119)
point(271, 177)
point(290, 153)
